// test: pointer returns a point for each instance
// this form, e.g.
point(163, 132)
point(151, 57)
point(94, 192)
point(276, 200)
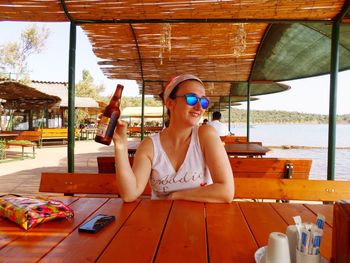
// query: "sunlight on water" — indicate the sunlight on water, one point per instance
point(313, 135)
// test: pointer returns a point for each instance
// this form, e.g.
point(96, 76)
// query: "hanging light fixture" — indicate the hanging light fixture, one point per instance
point(165, 41)
point(239, 40)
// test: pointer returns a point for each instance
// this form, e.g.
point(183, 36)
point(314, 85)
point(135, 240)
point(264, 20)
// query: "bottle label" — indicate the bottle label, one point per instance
point(102, 126)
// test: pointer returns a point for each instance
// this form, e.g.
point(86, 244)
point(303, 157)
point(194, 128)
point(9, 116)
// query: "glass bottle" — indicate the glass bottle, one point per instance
point(108, 121)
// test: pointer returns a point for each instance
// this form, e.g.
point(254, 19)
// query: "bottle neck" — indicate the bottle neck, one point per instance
point(115, 100)
point(118, 92)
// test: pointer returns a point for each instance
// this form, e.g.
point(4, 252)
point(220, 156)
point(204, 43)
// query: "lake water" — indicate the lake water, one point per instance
point(312, 135)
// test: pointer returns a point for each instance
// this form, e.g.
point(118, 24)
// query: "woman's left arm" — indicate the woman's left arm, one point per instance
point(222, 189)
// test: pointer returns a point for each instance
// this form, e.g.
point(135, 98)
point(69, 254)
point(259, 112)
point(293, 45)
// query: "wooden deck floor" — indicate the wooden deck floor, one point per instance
point(23, 176)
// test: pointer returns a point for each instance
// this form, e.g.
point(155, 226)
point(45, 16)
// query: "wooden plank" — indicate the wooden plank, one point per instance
point(137, 241)
point(78, 183)
point(286, 189)
point(287, 212)
point(106, 164)
point(184, 238)
point(35, 243)
point(262, 214)
point(341, 234)
point(326, 210)
point(84, 247)
point(229, 236)
point(233, 139)
point(270, 167)
point(81, 183)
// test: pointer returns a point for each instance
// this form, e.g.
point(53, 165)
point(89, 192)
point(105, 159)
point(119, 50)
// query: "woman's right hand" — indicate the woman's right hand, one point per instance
point(120, 137)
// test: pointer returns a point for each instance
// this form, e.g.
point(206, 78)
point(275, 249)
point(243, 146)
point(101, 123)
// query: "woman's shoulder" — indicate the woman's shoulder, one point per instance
point(145, 148)
point(206, 131)
point(146, 142)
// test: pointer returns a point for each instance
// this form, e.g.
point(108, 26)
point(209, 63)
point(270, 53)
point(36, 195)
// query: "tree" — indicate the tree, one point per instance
point(14, 55)
point(87, 88)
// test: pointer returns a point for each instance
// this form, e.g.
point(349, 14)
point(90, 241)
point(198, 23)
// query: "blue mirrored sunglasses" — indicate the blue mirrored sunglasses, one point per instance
point(192, 99)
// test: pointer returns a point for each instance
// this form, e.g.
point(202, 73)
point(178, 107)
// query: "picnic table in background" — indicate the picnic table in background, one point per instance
point(8, 135)
point(160, 231)
point(136, 130)
point(245, 149)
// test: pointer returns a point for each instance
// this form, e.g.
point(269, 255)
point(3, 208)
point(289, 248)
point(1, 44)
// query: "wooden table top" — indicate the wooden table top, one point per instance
point(8, 135)
point(159, 231)
point(245, 149)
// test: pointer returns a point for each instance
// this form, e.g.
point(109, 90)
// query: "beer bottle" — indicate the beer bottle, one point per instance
point(108, 120)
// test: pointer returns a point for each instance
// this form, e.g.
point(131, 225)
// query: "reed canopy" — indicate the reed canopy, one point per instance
point(227, 44)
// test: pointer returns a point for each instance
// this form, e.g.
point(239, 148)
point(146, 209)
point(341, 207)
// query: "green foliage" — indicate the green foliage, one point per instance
point(86, 88)
point(137, 102)
point(2, 149)
point(19, 142)
point(14, 55)
point(240, 116)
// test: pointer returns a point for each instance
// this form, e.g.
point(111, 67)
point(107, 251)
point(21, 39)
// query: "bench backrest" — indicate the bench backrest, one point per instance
point(243, 167)
point(81, 183)
point(285, 189)
point(105, 164)
point(271, 167)
point(33, 136)
point(252, 188)
point(233, 139)
point(56, 132)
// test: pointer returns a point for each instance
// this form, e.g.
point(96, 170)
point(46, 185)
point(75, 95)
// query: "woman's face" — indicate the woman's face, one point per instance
point(180, 111)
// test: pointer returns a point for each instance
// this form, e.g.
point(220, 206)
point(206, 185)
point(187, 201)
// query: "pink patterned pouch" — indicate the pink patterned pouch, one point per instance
point(31, 211)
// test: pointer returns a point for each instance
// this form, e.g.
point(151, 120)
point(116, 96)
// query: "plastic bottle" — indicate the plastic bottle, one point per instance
point(108, 120)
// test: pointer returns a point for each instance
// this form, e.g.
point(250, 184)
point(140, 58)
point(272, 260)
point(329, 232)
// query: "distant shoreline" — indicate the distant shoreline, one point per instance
point(287, 123)
point(287, 147)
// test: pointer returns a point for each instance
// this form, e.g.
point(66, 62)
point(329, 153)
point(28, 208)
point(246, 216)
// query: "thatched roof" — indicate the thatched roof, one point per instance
point(225, 43)
point(39, 95)
point(60, 89)
point(21, 96)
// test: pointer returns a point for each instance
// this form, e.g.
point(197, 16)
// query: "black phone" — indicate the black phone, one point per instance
point(96, 224)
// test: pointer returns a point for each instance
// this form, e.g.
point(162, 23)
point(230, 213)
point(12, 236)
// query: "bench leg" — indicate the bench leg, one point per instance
point(22, 152)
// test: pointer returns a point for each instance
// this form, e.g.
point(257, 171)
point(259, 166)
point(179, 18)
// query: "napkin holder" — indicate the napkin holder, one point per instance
point(341, 232)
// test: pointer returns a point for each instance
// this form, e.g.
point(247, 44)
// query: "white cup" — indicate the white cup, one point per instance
point(292, 234)
point(305, 258)
point(277, 249)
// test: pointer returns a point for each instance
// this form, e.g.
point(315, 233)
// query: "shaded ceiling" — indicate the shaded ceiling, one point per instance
point(225, 43)
point(21, 96)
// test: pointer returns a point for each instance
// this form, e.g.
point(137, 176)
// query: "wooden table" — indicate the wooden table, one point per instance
point(245, 149)
point(8, 136)
point(159, 231)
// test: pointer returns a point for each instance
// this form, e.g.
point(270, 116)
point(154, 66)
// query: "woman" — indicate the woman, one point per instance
point(184, 161)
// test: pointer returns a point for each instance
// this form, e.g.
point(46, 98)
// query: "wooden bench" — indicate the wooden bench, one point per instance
point(233, 139)
point(56, 134)
point(26, 139)
point(271, 167)
point(243, 167)
point(285, 189)
point(252, 188)
point(81, 183)
point(105, 164)
point(147, 129)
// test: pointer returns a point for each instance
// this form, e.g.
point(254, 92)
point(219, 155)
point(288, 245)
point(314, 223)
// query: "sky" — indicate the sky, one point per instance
point(306, 95)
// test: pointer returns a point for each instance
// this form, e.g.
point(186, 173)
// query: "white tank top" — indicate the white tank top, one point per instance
point(192, 173)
